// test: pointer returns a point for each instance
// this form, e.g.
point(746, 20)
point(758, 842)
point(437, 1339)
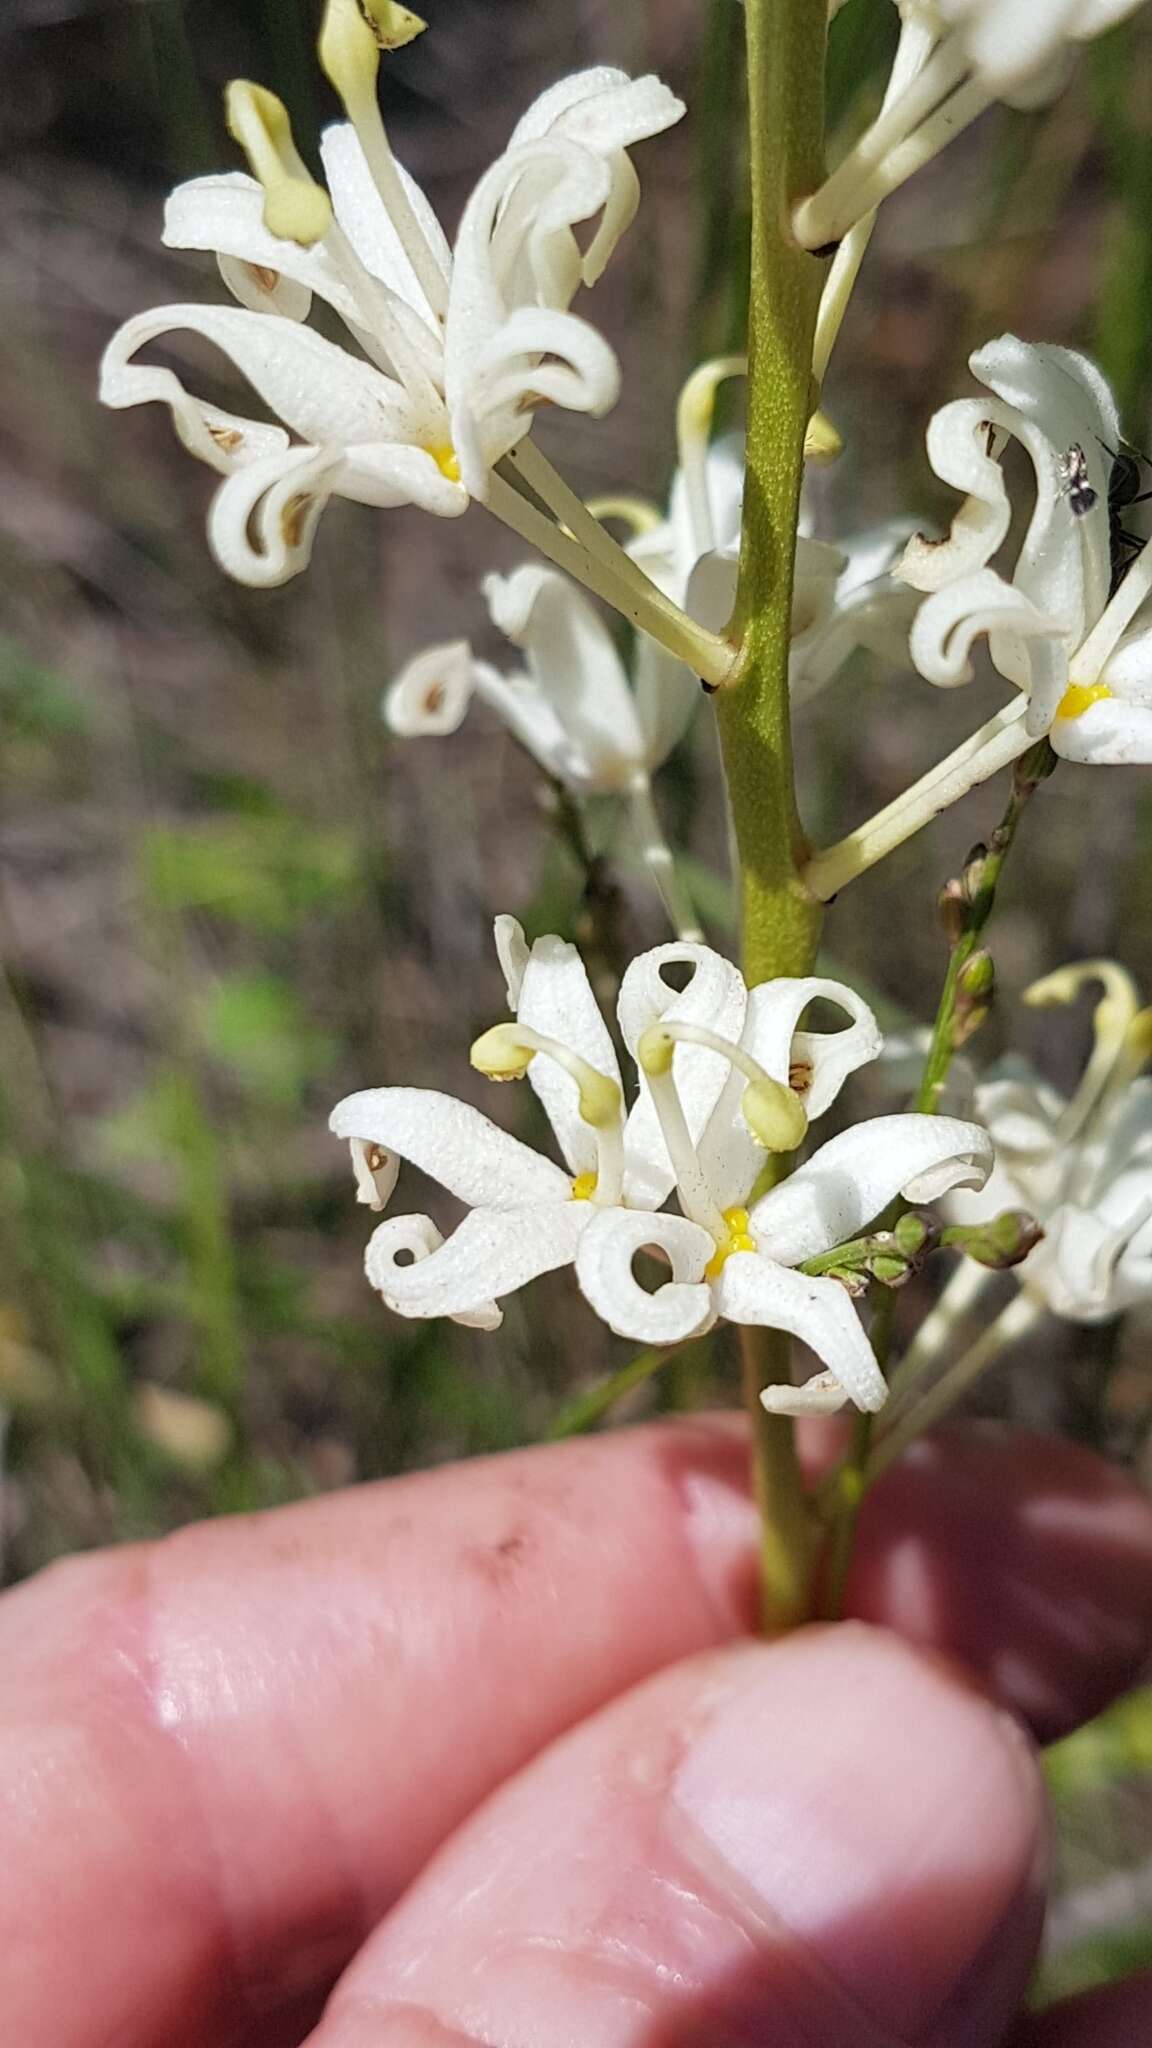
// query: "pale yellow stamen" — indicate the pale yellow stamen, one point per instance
point(773, 1112)
point(584, 1187)
point(695, 411)
point(739, 1239)
point(296, 208)
point(506, 1052)
point(823, 441)
point(1079, 698)
point(638, 513)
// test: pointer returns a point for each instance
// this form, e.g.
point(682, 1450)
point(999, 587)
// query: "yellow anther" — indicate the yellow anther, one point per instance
point(584, 1186)
point(775, 1116)
point(638, 513)
point(447, 461)
point(696, 404)
point(506, 1052)
point(296, 208)
point(600, 1099)
point(1138, 1038)
point(739, 1239)
point(1079, 698)
point(502, 1054)
point(1118, 1005)
point(823, 441)
point(392, 25)
point(348, 50)
point(352, 35)
point(654, 1050)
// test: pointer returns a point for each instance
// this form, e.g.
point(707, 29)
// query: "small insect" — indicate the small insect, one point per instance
point(1080, 493)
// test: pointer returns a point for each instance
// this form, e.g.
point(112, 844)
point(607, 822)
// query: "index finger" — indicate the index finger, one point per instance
point(247, 1739)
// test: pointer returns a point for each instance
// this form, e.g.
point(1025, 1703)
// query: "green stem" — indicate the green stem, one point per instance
point(780, 918)
point(786, 52)
point(786, 1528)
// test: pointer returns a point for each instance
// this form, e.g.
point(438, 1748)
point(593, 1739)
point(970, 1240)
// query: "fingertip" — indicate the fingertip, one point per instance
point(804, 1841)
point(1025, 1555)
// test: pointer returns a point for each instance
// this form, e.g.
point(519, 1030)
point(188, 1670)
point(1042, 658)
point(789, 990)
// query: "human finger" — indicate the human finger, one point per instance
point(826, 1839)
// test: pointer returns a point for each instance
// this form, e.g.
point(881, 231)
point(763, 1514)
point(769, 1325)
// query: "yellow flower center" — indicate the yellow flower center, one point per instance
point(739, 1239)
point(584, 1187)
point(447, 461)
point(1078, 698)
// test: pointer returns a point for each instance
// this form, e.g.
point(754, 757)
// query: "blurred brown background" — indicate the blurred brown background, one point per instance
point(227, 895)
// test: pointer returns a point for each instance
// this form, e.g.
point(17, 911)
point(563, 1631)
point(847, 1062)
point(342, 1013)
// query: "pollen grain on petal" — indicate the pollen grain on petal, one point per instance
point(1080, 697)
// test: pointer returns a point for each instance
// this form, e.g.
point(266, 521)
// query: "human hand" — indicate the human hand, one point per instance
point(486, 1741)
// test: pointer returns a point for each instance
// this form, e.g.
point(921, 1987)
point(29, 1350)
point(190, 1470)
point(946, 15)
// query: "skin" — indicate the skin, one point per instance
point(487, 1755)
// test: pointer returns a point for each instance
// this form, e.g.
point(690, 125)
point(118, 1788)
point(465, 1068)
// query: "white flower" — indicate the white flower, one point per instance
point(1071, 628)
point(955, 57)
point(454, 348)
point(602, 729)
point(845, 596)
point(723, 1073)
point(1019, 47)
point(574, 706)
point(1083, 1168)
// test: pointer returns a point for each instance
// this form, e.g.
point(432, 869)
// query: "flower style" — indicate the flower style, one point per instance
point(1063, 628)
point(955, 57)
point(454, 349)
point(725, 1075)
point(1084, 1167)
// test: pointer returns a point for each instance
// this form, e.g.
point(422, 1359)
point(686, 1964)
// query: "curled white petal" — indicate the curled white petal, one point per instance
point(452, 1142)
point(224, 215)
point(1028, 646)
point(573, 661)
point(816, 1064)
point(681, 1308)
point(366, 221)
point(491, 1253)
point(759, 1290)
point(324, 394)
point(555, 998)
point(1108, 732)
point(513, 953)
point(715, 996)
point(262, 521)
point(536, 356)
point(376, 1173)
point(432, 691)
point(820, 1395)
point(852, 1178)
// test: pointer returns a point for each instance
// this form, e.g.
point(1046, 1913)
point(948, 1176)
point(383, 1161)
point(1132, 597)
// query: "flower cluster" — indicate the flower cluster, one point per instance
point(1083, 1167)
point(454, 349)
point(1071, 626)
point(725, 1077)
